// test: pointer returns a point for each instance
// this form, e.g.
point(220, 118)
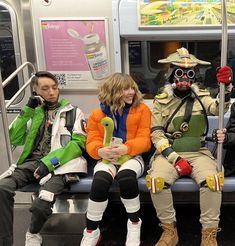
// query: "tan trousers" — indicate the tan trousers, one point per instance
point(203, 164)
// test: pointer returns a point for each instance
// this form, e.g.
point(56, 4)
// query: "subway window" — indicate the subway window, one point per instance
point(9, 49)
point(150, 75)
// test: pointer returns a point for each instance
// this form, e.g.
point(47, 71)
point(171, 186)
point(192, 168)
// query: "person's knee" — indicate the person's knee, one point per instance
point(6, 195)
point(9, 185)
point(100, 186)
point(213, 181)
point(156, 184)
point(41, 207)
point(128, 184)
point(2, 190)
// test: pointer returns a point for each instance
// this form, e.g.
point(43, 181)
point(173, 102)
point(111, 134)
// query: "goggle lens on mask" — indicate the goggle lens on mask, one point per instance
point(180, 73)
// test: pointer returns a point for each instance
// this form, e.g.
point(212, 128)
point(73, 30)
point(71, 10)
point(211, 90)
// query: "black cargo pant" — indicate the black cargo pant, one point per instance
point(40, 209)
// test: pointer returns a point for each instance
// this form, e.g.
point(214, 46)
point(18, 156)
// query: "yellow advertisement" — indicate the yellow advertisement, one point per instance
point(156, 13)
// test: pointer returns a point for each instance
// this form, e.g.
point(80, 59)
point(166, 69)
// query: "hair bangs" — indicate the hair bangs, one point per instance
point(111, 91)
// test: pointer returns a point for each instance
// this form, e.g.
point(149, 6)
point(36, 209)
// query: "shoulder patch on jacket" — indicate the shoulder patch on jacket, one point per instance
point(162, 99)
point(161, 96)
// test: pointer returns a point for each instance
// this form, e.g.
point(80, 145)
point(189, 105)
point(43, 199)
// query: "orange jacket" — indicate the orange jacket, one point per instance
point(138, 131)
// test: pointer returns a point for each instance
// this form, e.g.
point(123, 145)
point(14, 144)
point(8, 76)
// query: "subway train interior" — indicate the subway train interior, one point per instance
point(130, 36)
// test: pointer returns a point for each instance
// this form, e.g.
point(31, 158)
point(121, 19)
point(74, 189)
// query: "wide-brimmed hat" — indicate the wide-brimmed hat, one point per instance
point(182, 58)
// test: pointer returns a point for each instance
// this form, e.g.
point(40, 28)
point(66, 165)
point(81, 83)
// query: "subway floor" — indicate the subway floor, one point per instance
point(113, 226)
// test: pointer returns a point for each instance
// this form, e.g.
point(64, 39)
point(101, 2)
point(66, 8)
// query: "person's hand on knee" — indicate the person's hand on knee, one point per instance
point(41, 171)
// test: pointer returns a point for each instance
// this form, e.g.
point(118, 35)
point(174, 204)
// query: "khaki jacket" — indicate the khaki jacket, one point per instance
point(165, 107)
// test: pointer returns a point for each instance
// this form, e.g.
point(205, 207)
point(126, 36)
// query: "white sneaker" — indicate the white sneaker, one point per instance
point(91, 238)
point(33, 239)
point(133, 233)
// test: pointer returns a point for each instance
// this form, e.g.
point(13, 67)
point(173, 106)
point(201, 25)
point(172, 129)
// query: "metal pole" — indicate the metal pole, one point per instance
point(3, 107)
point(7, 80)
point(18, 93)
point(224, 44)
point(5, 123)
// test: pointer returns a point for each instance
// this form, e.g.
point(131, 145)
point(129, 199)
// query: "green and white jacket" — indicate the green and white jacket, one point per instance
point(25, 129)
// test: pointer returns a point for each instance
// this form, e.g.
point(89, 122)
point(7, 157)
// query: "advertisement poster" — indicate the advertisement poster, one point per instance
point(157, 13)
point(76, 51)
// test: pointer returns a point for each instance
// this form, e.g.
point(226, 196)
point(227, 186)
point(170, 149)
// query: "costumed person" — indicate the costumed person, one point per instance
point(121, 101)
point(178, 129)
point(52, 149)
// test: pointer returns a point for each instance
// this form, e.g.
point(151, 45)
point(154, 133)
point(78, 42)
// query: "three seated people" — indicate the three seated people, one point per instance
point(117, 133)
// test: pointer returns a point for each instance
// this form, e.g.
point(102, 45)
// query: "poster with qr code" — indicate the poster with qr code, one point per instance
point(76, 51)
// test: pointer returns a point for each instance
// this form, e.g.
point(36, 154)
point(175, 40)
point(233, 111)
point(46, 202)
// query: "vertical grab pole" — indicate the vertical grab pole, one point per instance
point(224, 45)
point(5, 122)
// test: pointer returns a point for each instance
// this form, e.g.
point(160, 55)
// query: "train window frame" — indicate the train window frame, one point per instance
point(16, 47)
point(150, 72)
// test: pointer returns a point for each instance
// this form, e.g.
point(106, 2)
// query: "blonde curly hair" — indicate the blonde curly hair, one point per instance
point(111, 91)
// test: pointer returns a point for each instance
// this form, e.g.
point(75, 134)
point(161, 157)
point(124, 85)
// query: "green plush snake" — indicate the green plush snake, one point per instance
point(108, 125)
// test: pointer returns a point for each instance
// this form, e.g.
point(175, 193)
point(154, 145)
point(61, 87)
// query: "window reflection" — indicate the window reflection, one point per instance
point(150, 75)
point(7, 52)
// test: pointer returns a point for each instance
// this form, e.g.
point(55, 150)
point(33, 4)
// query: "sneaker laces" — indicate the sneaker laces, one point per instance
point(133, 233)
point(33, 238)
point(90, 238)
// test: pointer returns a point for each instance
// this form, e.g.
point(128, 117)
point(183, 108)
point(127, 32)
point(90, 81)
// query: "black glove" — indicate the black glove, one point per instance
point(217, 138)
point(42, 170)
point(33, 102)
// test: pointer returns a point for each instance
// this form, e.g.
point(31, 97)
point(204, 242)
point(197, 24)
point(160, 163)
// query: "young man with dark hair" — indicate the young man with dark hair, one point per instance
point(50, 152)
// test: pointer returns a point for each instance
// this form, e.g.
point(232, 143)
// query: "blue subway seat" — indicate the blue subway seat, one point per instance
point(181, 185)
